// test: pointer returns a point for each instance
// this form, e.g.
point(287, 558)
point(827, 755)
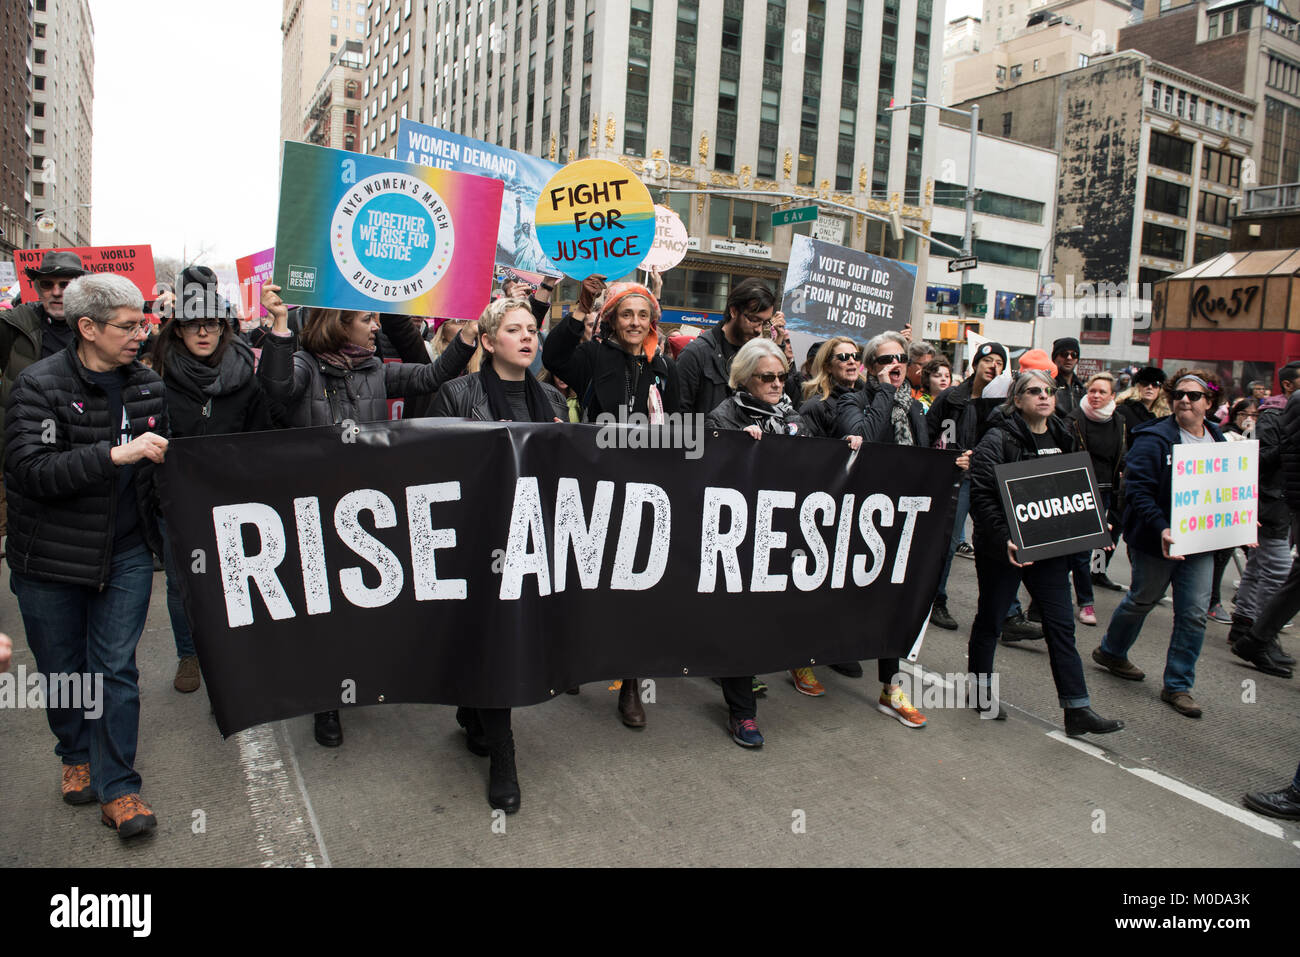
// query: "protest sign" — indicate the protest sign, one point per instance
point(595, 218)
point(1215, 492)
point(523, 177)
point(670, 241)
point(1053, 506)
point(254, 270)
point(532, 280)
point(835, 291)
point(495, 565)
point(363, 232)
point(133, 262)
point(8, 274)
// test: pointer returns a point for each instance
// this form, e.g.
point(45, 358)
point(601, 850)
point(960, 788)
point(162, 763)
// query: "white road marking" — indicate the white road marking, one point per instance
point(302, 789)
point(1083, 746)
point(1241, 815)
point(281, 835)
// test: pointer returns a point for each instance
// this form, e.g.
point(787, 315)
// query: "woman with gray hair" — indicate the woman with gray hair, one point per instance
point(1024, 427)
point(758, 403)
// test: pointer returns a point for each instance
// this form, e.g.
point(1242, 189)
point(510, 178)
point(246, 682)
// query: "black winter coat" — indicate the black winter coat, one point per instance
point(818, 414)
point(728, 415)
point(245, 409)
point(1007, 440)
point(1291, 451)
point(599, 372)
point(867, 413)
point(970, 416)
point(1134, 413)
point(1068, 395)
point(465, 398)
point(63, 493)
point(1274, 516)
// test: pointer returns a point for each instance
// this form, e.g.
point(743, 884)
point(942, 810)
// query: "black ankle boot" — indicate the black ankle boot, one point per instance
point(468, 719)
point(503, 781)
point(329, 730)
point(1086, 721)
point(1251, 649)
point(1241, 625)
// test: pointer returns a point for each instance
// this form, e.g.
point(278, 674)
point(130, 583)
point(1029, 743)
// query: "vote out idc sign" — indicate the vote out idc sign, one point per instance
point(595, 217)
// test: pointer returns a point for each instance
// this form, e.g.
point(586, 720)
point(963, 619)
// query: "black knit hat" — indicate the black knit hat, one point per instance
point(1064, 343)
point(989, 349)
point(197, 296)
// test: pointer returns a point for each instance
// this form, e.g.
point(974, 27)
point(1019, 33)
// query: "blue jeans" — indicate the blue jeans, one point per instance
point(958, 536)
point(1047, 581)
point(175, 604)
point(75, 629)
point(1152, 575)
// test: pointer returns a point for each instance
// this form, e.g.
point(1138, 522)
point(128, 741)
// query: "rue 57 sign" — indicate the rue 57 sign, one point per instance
point(1222, 300)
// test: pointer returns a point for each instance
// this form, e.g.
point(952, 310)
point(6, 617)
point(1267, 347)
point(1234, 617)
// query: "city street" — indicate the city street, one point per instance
point(837, 783)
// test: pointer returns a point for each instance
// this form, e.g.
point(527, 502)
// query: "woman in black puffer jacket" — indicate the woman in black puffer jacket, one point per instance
point(836, 368)
point(211, 390)
point(1024, 427)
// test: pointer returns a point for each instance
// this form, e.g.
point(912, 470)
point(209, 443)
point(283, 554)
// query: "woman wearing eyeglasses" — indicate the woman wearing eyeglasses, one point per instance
point(834, 370)
point(1024, 427)
point(884, 411)
point(336, 378)
point(211, 390)
point(1148, 478)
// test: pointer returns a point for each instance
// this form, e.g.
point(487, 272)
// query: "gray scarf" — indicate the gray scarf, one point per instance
point(898, 416)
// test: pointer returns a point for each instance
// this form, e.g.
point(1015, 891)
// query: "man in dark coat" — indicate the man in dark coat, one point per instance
point(705, 365)
point(1069, 390)
point(83, 430)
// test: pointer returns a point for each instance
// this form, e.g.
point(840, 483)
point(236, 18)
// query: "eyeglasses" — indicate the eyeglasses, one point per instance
point(45, 285)
point(848, 357)
point(1068, 354)
point(769, 377)
point(1038, 390)
point(210, 326)
point(132, 329)
point(888, 360)
point(1191, 395)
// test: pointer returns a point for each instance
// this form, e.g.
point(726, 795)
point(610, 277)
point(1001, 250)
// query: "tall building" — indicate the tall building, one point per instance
point(740, 98)
point(961, 39)
point(1005, 19)
point(1150, 168)
point(1250, 47)
point(392, 86)
point(333, 118)
point(15, 136)
point(63, 94)
point(313, 31)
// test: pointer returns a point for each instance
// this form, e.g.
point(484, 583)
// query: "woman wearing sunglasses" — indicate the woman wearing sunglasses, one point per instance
point(1148, 477)
point(1024, 427)
point(211, 390)
point(884, 411)
point(1144, 401)
point(834, 370)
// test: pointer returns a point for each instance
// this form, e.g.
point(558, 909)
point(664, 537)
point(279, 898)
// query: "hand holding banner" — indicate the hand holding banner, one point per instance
point(253, 271)
point(594, 218)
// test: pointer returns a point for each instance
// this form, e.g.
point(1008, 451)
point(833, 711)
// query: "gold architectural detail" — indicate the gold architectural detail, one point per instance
point(570, 155)
point(877, 206)
point(746, 176)
point(704, 147)
point(912, 212)
point(611, 131)
point(824, 188)
point(657, 155)
point(860, 219)
point(862, 183)
point(595, 130)
point(767, 184)
point(682, 172)
point(724, 179)
point(845, 198)
point(552, 154)
point(788, 164)
point(929, 191)
point(805, 191)
point(699, 204)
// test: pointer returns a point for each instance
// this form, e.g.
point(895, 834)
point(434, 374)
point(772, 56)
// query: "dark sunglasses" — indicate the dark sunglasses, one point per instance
point(887, 360)
point(1037, 390)
point(848, 356)
point(210, 326)
point(770, 377)
point(45, 285)
point(1191, 395)
point(1069, 354)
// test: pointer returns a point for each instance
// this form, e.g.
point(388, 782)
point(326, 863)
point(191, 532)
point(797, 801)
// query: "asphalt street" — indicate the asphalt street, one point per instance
point(837, 783)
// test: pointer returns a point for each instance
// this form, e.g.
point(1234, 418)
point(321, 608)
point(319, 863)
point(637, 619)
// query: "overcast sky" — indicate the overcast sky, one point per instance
point(963, 8)
point(187, 126)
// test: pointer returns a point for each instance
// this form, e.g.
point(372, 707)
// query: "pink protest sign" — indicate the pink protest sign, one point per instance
point(253, 271)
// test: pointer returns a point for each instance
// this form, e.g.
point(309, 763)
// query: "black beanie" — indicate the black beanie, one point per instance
point(1060, 345)
point(989, 349)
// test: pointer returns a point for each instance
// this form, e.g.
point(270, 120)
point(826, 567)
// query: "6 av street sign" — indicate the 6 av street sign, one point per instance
point(801, 214)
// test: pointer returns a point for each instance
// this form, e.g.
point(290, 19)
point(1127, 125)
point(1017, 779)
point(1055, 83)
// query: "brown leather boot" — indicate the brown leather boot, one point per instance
point(629, 703)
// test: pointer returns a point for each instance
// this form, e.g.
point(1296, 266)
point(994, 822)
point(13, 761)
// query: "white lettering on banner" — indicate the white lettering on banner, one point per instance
point(1051, 507)
point(527, 554)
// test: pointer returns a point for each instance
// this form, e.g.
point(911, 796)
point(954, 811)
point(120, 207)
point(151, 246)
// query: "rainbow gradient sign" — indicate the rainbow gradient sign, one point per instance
point(367, 233)
point(595, 218)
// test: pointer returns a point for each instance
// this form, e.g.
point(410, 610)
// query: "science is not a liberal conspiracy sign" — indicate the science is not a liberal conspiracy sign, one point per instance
point(366, 233)
point(1215, 490)
point(494, 565)
point(1052, 506)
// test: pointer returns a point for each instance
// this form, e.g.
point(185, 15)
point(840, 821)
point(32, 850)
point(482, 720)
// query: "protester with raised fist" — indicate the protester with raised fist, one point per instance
point(211, 390)
point(958, 419)
point(835, 369)
point(1148, 479)
point(84, 429)
point(622, 372)
point(335, 379)
point(1023, 428)
point(705, 364)
point(503, 390)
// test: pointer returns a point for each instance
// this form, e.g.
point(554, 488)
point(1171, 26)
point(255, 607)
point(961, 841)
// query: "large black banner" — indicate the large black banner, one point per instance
point(495, 565)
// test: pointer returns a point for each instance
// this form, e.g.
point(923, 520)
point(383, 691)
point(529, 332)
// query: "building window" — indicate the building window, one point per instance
point(1170, 152)
point(1207, 247)
point(1163, 241)
point(740, 219)
point(1221, 168)
point(1095, 329)
point(1015, 306)
point(953, 195)
point(1166, 197)
point(1006, 124)
point(1213, 23)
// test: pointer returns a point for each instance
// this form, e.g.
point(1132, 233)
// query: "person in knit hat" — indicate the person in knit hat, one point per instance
point(1037, 359)
point(619, 373)
point(1069, 390)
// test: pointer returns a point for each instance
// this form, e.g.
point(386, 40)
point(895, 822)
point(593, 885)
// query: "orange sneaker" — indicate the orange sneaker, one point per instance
point(805, 682)
point(76, 784)
point(129, 815)
point(896, 705)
